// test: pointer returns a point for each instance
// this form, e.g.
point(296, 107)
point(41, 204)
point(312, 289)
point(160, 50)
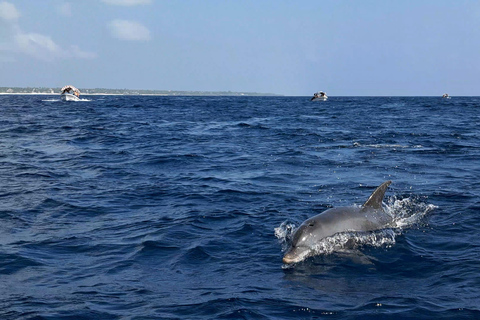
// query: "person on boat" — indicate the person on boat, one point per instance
point(67, 90)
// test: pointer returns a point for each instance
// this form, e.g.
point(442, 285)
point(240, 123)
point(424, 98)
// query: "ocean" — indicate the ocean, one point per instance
point(165, 207)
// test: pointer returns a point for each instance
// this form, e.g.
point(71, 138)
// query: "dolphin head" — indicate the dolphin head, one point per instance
point(303, 241)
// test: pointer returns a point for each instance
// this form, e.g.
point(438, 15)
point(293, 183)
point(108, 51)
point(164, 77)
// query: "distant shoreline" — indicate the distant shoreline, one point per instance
point(148, 94)
point(126, 92)
point(83, 94)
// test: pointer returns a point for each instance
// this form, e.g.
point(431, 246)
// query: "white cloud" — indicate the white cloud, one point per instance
point(65, 9)
point(129, 30)
point(44, 48)
point(127, 2)
point(33, 44)
point(76, 52)
point(8, 11)
point(37, 45)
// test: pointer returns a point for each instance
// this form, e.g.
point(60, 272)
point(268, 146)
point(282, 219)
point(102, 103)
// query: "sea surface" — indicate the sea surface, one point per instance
point(150, 207)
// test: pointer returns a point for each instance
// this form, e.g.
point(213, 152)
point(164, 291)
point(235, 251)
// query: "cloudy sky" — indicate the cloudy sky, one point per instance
point(344, 47)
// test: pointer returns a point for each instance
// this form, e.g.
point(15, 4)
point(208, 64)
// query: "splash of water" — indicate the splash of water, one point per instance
point(60, 100)
point(284, 233)
point(407, 212)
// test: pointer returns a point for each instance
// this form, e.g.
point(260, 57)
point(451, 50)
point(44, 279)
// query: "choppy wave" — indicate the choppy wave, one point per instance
point(387, 146)
point(150, 207)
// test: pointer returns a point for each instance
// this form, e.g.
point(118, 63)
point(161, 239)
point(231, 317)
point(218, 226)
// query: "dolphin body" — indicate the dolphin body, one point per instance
point(368, 217)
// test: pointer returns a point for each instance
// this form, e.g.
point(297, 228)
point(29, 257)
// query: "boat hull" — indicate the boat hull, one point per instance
point(69, 97)
point(319, 99)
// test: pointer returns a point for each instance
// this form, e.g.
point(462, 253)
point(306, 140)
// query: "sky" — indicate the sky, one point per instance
point(343, 47)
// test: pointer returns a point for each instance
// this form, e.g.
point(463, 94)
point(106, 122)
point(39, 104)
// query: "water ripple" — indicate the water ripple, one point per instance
point(124, 207)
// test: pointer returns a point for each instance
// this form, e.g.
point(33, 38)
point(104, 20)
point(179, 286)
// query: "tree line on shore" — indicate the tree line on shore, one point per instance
point(53, 90)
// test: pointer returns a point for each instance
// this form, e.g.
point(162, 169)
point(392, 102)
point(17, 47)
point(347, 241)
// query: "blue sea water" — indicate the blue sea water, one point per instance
point(137, 207)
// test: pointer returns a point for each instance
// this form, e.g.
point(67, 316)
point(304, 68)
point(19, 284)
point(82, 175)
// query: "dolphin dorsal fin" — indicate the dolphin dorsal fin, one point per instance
point(375, 200)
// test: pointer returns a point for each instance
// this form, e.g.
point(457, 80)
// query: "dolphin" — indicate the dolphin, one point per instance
point(370, 216)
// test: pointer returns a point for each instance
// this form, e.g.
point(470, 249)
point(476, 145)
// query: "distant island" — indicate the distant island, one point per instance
point(104, 91)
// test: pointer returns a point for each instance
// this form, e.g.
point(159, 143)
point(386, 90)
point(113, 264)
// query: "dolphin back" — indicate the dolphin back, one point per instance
point(375, 200)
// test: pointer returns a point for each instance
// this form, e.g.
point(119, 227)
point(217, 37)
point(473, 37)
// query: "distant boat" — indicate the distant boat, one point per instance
point(319, 96)
point(446, 96)
point(70, 93)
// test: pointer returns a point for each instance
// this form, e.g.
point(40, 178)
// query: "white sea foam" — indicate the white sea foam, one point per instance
point(407, 212)
point(59, 100)
point(387, 146)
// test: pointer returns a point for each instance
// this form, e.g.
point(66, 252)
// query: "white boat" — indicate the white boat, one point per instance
point(69, 97)
point(70, 93)
point(319, 96)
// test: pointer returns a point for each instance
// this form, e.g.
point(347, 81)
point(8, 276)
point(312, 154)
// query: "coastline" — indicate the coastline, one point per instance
point(206, 94)
point(83, 94)
point(128, 92)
